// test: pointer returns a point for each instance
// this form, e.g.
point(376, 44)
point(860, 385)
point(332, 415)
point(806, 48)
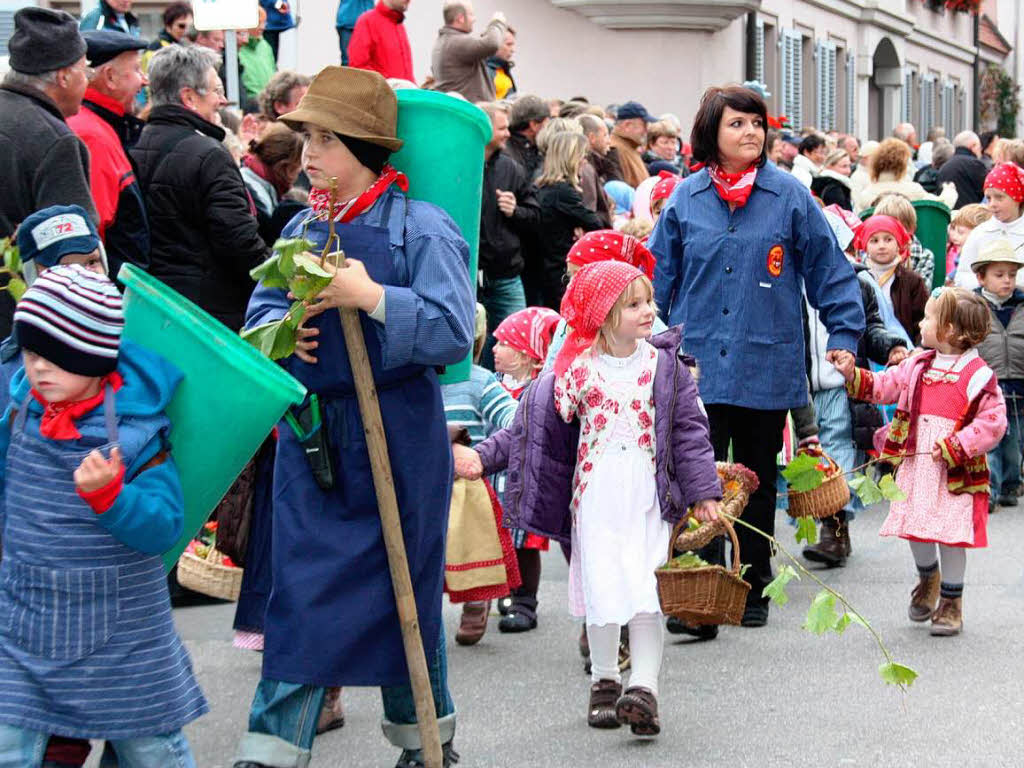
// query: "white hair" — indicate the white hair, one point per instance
point(176, 67)
point(966, 139)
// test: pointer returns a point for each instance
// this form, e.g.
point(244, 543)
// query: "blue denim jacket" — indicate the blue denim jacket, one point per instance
point(734, 279)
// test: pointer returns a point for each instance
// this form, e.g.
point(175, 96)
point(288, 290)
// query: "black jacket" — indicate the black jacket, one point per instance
point(928, 178)
point(42, 163)
point(500, 251)
point(967, 173)
point(203, 231)
point(524, 152)
point(561, 212)
point(832, 192)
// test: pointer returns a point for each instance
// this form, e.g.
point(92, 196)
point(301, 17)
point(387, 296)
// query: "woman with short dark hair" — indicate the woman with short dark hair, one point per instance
point(735, 245)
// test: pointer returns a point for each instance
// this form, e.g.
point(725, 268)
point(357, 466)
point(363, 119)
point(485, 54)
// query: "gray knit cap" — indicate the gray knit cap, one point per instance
point(44, 40)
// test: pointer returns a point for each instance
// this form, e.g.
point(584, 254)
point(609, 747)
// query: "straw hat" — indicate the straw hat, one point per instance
point(353, 102)
point(997, 250)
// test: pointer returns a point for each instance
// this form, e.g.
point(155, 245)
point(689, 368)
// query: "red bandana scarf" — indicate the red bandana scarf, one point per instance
point(58, 422)
point(734, 188)
point(319, 199)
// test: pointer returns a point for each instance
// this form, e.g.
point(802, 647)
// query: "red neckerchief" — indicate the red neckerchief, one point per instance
point(319, 199)
point(733, 188)
point(58, 422)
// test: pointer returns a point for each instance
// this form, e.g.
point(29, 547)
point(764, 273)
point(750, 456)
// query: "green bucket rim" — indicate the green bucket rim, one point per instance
point(214, 335)
point(411, 96)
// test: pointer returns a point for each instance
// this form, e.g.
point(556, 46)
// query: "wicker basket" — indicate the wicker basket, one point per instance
point(825, 500)
point(709, 595)
point(734, 504)
point(209, 576)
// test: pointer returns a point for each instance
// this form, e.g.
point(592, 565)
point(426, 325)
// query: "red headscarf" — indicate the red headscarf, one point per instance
point(586, 304)
point(529, 330)
point(880, 223)
point(663, 189)
point(605, 244)
point(1008, 178)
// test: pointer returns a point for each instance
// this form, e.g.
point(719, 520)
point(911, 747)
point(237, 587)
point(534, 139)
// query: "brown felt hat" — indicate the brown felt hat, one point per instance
point(352, 102)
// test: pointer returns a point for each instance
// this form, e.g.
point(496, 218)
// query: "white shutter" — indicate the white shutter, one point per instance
point(851, 93)
point(793, 77)
point(825, 85)
point(759, 73)
point(6, 29)
point(832, 88)
point(948, 100)
point(906, 94)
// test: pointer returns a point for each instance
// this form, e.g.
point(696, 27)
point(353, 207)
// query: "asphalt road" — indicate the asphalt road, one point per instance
point(776, 696)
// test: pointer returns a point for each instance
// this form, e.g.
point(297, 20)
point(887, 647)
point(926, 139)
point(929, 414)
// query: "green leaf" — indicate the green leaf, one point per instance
point(842, 624)
point(891, 491)
point(822, 616)
point(17, 288)
point(897, 674)
point(803, 473)
point(269, 273)
point(776, 589)
point(866, 489)
point(806, 530)
point(692, 524)
point(12, 258)
point(276, 340)
point(309, 277)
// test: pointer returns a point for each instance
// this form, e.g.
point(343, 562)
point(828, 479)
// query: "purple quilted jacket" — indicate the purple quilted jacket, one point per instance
point(539, 449)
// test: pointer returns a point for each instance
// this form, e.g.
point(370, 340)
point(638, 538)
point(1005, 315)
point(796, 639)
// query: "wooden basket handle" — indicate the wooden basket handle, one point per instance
point(676, 530)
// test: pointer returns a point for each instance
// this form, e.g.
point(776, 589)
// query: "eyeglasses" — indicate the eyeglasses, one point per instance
point(219, 90)
point(88, 71)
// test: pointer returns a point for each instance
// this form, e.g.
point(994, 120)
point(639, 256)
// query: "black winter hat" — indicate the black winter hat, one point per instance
point(103, 45)
point(44, 40)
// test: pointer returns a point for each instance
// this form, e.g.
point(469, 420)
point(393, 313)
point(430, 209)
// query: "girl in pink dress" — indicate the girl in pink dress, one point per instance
point(950, 413)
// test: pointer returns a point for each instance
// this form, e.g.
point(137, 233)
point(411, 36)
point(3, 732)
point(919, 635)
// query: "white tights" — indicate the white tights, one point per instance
point(646, 643)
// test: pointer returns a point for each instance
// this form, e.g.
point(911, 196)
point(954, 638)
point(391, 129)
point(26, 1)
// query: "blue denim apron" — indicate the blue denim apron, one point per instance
point(331, 619)
point(88, 648)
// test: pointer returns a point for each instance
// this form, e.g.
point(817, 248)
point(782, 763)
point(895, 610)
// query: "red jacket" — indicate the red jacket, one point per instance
point(123, 224)
point(379, 43)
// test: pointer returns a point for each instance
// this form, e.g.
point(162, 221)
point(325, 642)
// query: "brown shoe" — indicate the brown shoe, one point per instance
point(603, 696)
point(833, 547)
point(948, 619)
point(473, 623)
point(638, 708)
point(924, 596)
point(331, 713)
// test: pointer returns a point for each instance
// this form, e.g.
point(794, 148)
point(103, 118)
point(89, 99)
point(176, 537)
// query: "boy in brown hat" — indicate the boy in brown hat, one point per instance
point(331, 619)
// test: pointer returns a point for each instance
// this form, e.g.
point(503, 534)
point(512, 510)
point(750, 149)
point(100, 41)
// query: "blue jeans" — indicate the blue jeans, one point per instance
point(21, 748)
point(344, 38)
point(835, 431)
point(501, 298)
point(283, 717)
point(1004, 460)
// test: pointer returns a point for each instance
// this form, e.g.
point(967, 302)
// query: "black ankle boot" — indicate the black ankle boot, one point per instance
point(522, 616)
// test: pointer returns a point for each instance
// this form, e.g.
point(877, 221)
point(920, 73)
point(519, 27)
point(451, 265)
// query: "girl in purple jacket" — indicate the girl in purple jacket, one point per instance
point(607, 451)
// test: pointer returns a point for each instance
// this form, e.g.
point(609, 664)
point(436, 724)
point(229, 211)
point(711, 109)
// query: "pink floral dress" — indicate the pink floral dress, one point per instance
point(618, 536)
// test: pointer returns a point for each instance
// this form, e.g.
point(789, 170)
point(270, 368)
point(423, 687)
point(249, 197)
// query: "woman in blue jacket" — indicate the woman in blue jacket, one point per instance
point(734, 245)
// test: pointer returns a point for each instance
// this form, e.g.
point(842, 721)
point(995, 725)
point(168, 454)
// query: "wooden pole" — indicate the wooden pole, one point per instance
point(391, 523)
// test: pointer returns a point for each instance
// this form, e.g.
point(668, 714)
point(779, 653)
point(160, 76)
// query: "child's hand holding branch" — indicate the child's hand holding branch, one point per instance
point(707, 510)
point(96, 472)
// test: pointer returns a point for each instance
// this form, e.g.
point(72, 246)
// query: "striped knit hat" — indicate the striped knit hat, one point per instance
point(73, 318)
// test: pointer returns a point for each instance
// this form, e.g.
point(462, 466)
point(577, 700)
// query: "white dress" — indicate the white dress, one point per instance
point(618, 536)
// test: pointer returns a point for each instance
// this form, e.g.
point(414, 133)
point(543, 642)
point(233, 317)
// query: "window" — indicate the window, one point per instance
point(907, 95)
point(948, 107)
point(927, 104)
point(792, 63)
point(826, 118)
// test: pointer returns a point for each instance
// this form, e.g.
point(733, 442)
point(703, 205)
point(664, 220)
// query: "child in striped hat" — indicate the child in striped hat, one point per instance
point(92, 500)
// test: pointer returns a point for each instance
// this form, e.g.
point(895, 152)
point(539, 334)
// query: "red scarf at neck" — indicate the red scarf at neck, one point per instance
point(58, 422)
point(734, 188)
point(319, 199)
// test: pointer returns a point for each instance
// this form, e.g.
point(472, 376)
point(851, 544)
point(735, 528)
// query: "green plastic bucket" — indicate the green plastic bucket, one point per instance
point(443, 157)
point(228, 402)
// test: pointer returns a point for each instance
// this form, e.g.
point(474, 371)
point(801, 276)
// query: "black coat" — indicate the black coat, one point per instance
point(204, 234)
point(561, 212)
point(832, 192)
point(967, 173)
point(524, 152)
point(500, 250)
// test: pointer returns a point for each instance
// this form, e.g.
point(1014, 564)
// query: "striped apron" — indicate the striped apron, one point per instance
point(88, 647)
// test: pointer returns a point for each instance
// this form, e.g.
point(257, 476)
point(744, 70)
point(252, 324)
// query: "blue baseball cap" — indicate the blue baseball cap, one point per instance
point(634, 109)
point(48, 235)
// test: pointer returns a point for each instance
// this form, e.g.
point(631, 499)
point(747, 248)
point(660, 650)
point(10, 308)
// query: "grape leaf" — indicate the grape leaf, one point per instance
point(309, 277)
point(776, 589)
point(12, 258)
point(842, 624)
point(897, 674)
point(803, 473)
point(17, 288)
point(866, 489)
point(806, 530)
point(891, 491)
point(269, 273)
point(822, 616)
